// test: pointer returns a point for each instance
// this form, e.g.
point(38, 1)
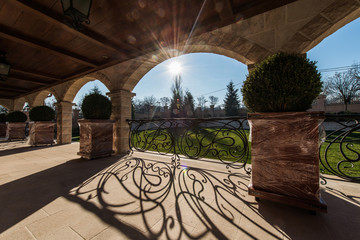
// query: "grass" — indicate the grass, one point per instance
point(225, 145)
point(75, 139)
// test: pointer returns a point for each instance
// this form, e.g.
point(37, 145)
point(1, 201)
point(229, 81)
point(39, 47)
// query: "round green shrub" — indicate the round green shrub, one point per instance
point(16, 116)
point(42, 113)
point(96, 106)
point(2, 117)
point(282, 83)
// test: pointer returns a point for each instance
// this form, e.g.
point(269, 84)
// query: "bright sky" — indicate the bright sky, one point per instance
point(208, 74)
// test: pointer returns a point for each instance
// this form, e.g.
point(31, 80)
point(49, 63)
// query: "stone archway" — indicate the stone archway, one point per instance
point(64, 105)
point(6, 103)
point(19, 103)
point(74, 86)
point(159, 57)
point(40, 97)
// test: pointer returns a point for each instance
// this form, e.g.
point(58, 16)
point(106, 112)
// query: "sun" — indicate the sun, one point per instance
point(175, 68)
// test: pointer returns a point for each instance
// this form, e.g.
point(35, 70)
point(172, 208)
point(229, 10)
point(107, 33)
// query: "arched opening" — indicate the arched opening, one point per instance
point(45, 97)
point(203, 75)
point(79, 84)
point(20, 103)
point(76, 109)
point(66, 121)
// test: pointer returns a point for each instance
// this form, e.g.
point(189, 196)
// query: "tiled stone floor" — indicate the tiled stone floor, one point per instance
point(50, 193)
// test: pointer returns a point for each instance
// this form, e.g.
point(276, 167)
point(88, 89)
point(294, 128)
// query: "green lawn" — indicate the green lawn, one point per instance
point(225, 145)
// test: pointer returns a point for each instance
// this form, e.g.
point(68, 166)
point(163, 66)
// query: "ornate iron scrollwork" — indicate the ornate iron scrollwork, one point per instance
point(340, 152)
point(224, 139)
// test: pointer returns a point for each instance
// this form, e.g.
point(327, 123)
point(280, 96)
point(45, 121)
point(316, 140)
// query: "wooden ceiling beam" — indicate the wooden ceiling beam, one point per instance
point(27, 80)
point(52, 17)
point(38, 44)
point(14, 89)
point(35, 74)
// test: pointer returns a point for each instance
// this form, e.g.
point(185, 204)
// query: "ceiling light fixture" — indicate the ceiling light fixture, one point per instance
point(4, 66)
point(78, 11)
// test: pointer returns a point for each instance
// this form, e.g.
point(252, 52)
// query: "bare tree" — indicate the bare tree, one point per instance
point(149, 102)
point(201, 102)
point(164, 101)
point(344, 85)
point(213, 100)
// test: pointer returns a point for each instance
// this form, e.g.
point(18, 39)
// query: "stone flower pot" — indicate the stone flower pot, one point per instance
point(96, 138)
point(41, 132)
point(285, 158)
point(16, 130)
point(3, 130)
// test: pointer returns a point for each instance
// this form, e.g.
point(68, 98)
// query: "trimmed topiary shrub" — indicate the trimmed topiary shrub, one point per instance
point(42, 113)
point(282, 83)
point(2, 117)
point(16, 116)
point(96, 106)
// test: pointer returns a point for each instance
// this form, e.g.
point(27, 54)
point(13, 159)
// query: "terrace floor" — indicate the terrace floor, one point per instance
point(50, 193)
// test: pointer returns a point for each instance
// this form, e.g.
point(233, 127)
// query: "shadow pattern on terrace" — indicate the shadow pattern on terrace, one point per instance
point(163, 200)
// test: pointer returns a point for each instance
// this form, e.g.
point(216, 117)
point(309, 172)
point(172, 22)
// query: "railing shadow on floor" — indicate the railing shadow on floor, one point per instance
point(171, 201)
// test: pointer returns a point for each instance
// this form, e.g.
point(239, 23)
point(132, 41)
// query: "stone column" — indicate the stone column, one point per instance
point(64, 122)
point(121, 111)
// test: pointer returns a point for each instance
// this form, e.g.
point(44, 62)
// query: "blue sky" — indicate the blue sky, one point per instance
point(208, 74)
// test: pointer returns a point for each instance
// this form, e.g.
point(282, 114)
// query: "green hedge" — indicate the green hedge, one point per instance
point(96, 106)
point(16, 116)
point(282, 83)
point(42, 113)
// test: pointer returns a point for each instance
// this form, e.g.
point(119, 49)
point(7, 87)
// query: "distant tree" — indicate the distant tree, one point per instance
point(202, 102)
point(213, 100)
point(344, 86)
point(189, 104)
point(176, 101)
point(164, 101)
point(138, 105)
point(149, 102)
point(231, 101)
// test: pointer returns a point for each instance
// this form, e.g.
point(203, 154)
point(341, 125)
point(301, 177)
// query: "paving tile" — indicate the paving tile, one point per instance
point(15, 233)
point(205, 203)
point(61, 234)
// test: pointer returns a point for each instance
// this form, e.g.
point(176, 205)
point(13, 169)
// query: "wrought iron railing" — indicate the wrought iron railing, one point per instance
point(225, 139)
point(340, 152)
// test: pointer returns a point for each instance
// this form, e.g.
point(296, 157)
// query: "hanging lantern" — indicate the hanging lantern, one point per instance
point(4, 66)
point(78, 11)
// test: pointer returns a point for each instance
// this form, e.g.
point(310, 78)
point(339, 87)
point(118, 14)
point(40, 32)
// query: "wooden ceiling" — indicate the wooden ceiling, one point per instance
point(44, 51)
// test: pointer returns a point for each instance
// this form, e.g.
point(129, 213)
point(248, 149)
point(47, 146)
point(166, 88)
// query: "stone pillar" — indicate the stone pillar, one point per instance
point(121, 111)
point(64, 122)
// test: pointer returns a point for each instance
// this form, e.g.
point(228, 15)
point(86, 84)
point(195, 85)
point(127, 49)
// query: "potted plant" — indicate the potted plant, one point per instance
point(96, 130)
point(284, 137)
point(41, 127)
point(16, 125)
